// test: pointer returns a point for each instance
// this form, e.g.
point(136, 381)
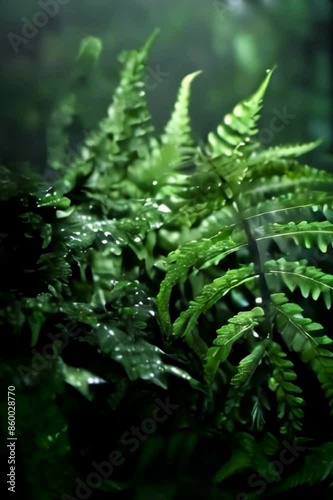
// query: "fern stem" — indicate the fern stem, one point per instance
point(258, 268)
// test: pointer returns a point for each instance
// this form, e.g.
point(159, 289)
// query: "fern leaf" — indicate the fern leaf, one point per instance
point(128, 116)
point(87, 58)
point(282, 152)
point(285, 176)
point(286, 391)
point(260, 171)
point(250, 453)
point(289, 201)
point(124, 135)
point(248, 365)
point(210, 294)
point(238, 326)
point(178, 129)
point(317, 466)
point(228, 149)
point(297, 332)
point(229, 170)
point(309, 279)
point(238, 461)
point(157, 168)
point(304, 233)
point(57, 137)
point(153, 173)
point(189, 214)
point(295, 329)
point(322, 364)
point(238, 126)
point(199, 253)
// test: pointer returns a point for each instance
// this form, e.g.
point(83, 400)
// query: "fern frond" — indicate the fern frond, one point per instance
point(282, 152)
point(227, 150)
point(57, 137)
point(124, 135)
point(238, 326)
point(199, 253)
point(250, 454)
point(229, 170)
point(297, 332)
point(239, 460)
point(240, 384)
point(304, 233)
point(260, 171)
point(283, 176)
point(211, 294)
point(248, 365)
point(238, 126)
point(289, 201)
point(286, 391)
point(309, 279)
point(128, 105)
point(87, 58)
point(178, 129)
point(295, 329)
point(153, 173)
point(128, 117)
point(317, 466)
point(243, 322)
point(190, 214)
point(156, 171)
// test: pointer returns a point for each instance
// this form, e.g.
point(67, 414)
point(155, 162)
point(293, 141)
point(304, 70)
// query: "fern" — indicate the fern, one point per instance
point(178, 129)
point(249, 453)
point(103, 160)
point(317, 467)
point(248, 197)
point(248, 365)
point(297, 333)
point(195, 253)
point(309, 279)
point(178, 260)
point(240, 325)
point(158, 167)
point(210, 294)
point(286, 391)
point(282, 152)
point(303, 233)
point(238, 127)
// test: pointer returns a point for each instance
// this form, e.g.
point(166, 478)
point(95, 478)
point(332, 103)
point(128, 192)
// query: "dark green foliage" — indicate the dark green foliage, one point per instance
point(166, 283)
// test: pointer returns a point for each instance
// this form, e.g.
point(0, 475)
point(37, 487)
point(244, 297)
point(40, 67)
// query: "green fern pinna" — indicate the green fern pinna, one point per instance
point(205, 253)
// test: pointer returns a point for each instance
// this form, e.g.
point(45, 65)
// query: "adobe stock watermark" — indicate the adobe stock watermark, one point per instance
point(153, 77)
point(260, 480)
point(131, 439)
point(31, 27)
point(277, 124)
point(42, 359)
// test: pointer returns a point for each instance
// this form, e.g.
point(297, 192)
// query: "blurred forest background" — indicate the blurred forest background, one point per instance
point(232, 41)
